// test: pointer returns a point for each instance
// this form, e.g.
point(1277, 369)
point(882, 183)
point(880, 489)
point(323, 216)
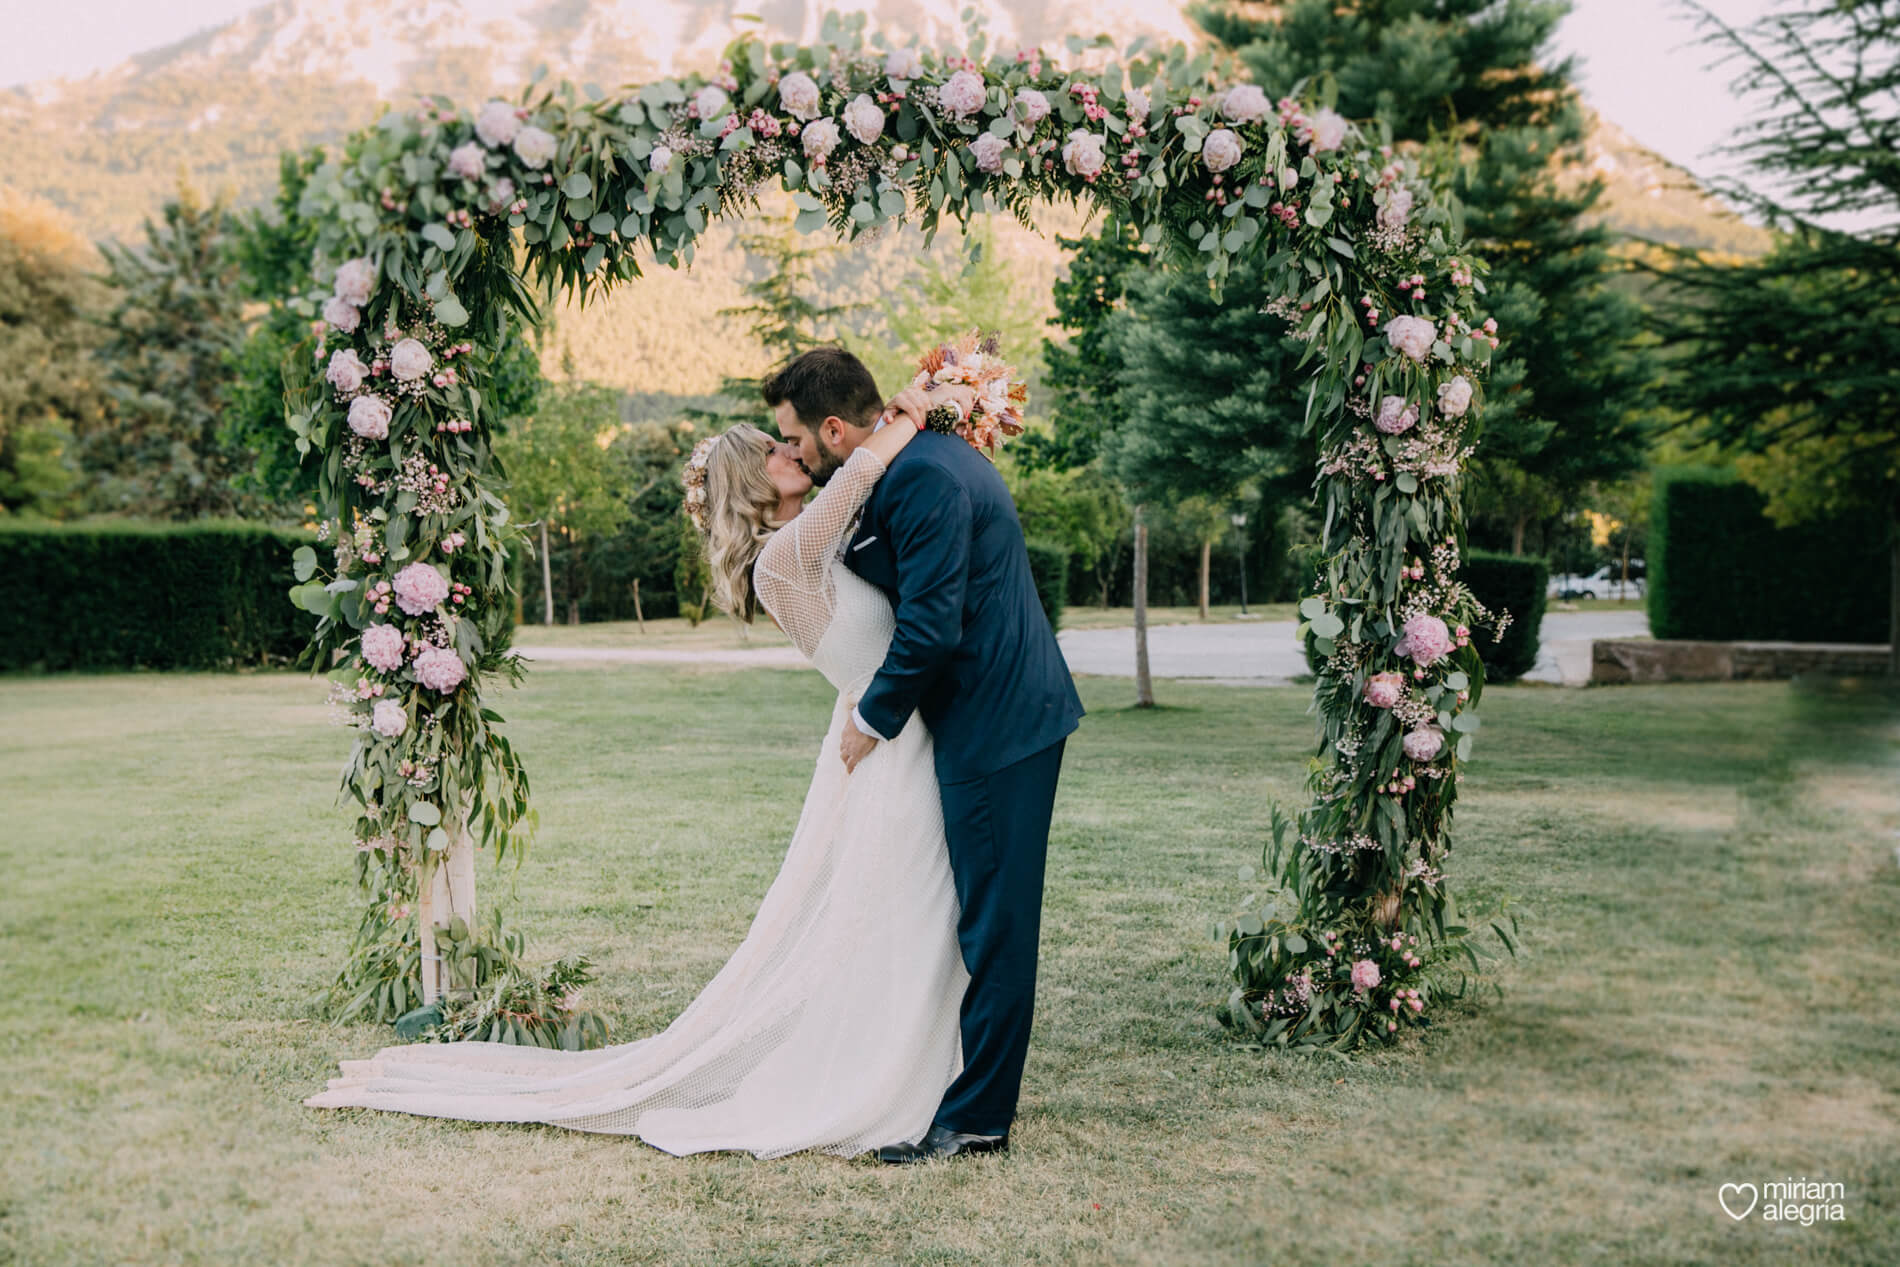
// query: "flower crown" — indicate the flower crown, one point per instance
point(694, 478)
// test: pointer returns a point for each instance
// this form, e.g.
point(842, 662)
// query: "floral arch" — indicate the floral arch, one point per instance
point(433, 221)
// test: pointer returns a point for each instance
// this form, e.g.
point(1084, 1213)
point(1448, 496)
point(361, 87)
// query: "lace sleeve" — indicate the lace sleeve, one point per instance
point(793, 573)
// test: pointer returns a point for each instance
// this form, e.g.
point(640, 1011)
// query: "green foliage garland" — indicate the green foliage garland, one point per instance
point(431, 220)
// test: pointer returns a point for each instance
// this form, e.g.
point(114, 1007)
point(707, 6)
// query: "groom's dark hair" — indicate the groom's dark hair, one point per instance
point(823, 382)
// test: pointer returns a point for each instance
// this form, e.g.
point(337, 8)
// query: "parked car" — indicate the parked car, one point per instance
point(1605, 582)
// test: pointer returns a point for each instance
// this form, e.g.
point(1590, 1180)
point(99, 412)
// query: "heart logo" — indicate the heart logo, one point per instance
point(1722, 1195)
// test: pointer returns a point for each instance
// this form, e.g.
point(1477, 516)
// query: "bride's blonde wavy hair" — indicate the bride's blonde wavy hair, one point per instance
point(739, 516)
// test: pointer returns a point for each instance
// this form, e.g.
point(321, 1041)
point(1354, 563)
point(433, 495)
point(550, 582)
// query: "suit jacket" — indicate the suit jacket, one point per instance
point(973, 651)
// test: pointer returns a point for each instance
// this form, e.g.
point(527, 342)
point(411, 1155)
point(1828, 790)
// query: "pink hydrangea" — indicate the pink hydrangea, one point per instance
point(864, 119)
point(798, 94)
point(420, 589)
point(963, 94)
point(1365, 974)
point(369, 417)
point(497, 124)
point(1424, 743)
point(1426, 640)
point(388, 719)
point(383, 647)
point(410, 360)
point(988, 151)
point(347, 371)
point(1412, 336)
point(1222, 149)
point(440, 669)
point(1396, 416)
point(1383, 690)
point(341, 314)
point(468, 161)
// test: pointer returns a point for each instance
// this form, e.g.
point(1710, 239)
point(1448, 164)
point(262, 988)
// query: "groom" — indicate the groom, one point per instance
point(975, 656)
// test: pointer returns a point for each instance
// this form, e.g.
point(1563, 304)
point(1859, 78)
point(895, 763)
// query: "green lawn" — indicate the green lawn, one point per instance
point(1707, 994)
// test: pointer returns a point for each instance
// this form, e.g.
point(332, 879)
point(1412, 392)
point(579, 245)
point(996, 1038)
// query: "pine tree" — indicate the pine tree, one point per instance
point(1462, 77)
point(1794, 359)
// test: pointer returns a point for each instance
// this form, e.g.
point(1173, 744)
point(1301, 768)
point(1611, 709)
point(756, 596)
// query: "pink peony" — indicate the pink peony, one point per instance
point(497, 124)
point(988, 150)
point(420, 589)
point(536, 148)
point(903, 65)
point(501, 196)
point(1031, 107)
point(819, 139)
point(347, 371)
point(1426, 640)
point(1222, 149)
point(1397, 209)
point(388, 718)
point(439, 668)
point(1085, 154)
point(341, 314)
point(963, 94)
point(711, 101)
point(1137, 103)
point(864, 119)
point(369, 417)
point(1383, 690)
point(1412, 336)
point(1329, 131)
point(469, 161)
point(659, 159)
point(354, 279)
point(409, 360)
point(383, 647)
point(1424, 743)
point(1396, 416)
point(1454, 397)
point(1244, 103)
point(798, 94)
point(1365, 974)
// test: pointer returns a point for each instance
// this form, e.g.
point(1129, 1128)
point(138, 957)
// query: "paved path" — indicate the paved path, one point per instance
point(1263, 653)
point(1257, 653)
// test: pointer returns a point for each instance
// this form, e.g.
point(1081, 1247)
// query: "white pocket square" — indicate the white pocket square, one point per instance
point(860, 545)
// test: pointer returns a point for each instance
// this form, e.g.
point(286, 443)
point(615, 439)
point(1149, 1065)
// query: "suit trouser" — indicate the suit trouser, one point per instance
point(997, 827)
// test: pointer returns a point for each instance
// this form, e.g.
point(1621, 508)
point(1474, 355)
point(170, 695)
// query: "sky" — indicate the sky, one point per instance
point(1638, 64)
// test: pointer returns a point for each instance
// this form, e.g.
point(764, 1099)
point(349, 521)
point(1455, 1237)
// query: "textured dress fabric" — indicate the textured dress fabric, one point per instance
point(834, 1026)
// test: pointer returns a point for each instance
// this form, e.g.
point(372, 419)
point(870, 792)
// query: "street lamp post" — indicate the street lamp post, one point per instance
point(1239, 519)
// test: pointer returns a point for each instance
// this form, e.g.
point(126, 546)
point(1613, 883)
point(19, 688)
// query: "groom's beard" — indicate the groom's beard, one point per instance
point(828, 462)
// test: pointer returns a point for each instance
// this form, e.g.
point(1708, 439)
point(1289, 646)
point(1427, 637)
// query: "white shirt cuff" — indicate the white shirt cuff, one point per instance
point(857, 719)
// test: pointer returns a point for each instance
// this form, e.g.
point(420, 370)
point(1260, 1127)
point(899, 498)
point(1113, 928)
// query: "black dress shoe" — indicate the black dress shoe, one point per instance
point(941, 1141)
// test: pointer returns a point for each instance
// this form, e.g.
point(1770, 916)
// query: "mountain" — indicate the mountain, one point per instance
point(217, 108)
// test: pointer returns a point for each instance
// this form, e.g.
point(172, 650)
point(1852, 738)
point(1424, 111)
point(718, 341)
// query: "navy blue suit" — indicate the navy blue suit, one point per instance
point(973, 654)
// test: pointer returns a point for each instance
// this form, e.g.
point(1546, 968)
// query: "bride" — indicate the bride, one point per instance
point(834, 1026)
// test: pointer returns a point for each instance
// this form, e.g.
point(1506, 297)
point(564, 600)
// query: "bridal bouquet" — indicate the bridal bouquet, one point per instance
point(973, 361)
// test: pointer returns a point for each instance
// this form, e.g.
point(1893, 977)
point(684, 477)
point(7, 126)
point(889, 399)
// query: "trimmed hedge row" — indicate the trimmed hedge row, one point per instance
point(1049, 564)
point(1720, 569)
point(118, 594)
point(1502, 582)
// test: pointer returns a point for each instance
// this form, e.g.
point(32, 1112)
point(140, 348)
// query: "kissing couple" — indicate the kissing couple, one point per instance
point(881, 1000)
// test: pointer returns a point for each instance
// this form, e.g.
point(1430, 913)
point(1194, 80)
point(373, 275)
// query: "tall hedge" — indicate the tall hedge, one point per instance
point(1507, 582)
point(1049, 564)
point(1720, 569)
point(120, 595)
point(1502, 582)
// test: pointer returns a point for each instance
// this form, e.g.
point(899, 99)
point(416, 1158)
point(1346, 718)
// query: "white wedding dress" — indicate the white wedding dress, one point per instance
point(834, 1026)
